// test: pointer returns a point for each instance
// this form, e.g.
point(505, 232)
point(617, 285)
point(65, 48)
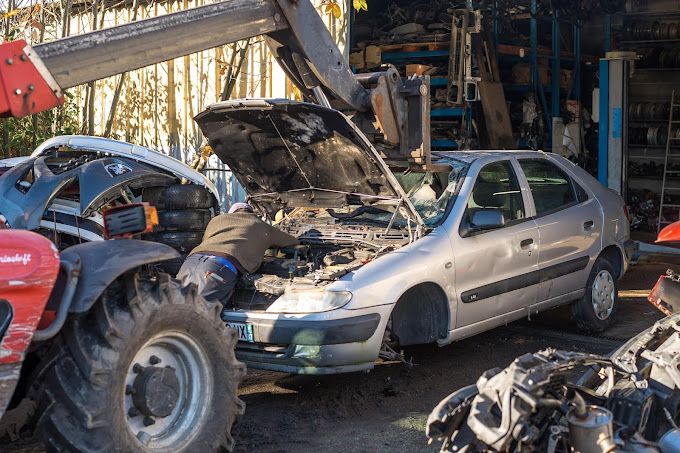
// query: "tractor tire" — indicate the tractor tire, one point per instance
point(149, 368)
point(595, 310)
point(195, 220)
point(179, 196)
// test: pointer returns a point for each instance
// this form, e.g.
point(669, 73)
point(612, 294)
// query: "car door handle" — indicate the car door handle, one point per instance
point(526, 243)
point(588, 225)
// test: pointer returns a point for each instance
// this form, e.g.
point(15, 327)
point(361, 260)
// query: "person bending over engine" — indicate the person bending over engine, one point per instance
point(233, 243)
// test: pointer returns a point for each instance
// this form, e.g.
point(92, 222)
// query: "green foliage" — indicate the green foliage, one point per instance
point(20, 135)
point(21, 132)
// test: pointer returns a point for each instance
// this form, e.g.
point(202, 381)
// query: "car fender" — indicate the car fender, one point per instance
point(104, 261)
point(384, 280)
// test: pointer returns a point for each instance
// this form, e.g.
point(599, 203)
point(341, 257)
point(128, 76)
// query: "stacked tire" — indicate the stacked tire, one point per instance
point(184, 211)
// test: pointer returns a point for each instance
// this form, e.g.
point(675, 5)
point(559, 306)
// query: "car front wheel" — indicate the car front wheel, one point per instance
point(595, 311)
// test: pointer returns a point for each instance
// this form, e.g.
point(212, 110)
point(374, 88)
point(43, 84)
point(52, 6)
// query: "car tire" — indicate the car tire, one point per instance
point(179, 196)
point(595, 311)
point(182, 241)
point(173, 265)
point(100, 390)
point(194, 220)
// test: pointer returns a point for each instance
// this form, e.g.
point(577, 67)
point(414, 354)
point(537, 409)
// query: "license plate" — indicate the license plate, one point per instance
point(245, 331)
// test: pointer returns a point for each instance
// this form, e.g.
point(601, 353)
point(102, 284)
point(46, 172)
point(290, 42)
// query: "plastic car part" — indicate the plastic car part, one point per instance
point(670, 233)
point(666, 293)
point(129, 220)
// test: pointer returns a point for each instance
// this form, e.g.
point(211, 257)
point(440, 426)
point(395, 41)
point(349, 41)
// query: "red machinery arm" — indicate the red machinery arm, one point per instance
point(24, 89)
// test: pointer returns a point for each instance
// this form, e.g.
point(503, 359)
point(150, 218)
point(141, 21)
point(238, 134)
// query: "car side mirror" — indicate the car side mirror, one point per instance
point(488, 220)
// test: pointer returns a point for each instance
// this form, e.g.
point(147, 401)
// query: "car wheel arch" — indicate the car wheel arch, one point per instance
point(420, 315)
point(615, 256)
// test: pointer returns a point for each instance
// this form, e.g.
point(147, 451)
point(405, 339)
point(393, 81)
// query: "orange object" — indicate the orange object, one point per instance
point(670, 234)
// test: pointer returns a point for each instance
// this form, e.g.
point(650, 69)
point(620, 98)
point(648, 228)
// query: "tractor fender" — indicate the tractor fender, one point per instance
point(104, 261)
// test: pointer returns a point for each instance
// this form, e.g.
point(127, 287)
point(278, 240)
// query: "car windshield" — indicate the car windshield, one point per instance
point(432, 192)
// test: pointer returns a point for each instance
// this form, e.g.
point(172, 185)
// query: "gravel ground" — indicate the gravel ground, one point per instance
point(385, 410)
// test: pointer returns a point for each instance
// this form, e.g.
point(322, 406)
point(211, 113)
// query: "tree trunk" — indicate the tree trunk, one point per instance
point(234, 70)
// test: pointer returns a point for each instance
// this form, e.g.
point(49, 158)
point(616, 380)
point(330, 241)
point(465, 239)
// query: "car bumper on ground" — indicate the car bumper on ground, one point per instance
point(308, 344)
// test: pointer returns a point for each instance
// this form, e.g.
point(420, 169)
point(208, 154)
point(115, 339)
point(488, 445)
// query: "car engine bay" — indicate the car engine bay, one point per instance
point(329, 249)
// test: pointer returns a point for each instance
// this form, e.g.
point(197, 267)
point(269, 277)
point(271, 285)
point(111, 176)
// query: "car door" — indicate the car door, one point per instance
point(569, 226)
point(492, 266)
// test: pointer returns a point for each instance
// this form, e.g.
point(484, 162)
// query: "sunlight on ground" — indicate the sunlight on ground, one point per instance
point(630, 293)
point(414, 420)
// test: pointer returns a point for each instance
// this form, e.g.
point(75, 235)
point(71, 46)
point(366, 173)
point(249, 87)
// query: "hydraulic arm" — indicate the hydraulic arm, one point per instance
point(32, 78)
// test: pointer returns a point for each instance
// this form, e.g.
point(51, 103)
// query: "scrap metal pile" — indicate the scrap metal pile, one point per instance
point(422, 21)
point(627, 402)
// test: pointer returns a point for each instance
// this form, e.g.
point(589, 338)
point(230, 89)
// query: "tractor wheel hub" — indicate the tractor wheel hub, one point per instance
point(156, 391)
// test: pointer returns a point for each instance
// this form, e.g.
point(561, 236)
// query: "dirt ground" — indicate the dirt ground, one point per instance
point(385, 410)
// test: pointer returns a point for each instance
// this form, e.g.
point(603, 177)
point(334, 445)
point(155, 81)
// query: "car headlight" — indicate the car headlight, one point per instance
point(310, 301)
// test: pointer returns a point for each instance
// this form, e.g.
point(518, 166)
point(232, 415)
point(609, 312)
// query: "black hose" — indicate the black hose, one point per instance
point(579, 404)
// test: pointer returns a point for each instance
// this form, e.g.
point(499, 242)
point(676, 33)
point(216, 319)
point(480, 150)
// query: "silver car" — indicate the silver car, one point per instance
point(406, 257)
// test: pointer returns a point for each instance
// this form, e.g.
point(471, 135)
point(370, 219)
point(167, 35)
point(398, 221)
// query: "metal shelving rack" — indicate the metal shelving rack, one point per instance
point(651, 85)
point(550, 97)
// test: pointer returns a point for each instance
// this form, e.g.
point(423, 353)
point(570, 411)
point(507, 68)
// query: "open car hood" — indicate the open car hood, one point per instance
point(296, 154)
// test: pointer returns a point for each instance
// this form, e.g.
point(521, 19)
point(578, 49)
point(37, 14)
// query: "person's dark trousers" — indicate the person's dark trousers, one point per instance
point(215, 280)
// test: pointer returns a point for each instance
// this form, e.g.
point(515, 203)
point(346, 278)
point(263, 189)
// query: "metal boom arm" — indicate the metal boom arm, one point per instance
point(79, 59)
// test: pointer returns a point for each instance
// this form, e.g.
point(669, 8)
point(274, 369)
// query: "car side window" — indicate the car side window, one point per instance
point(551, 187)
point(497, 189)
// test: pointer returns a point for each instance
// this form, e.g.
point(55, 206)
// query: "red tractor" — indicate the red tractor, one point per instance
point(109, 353)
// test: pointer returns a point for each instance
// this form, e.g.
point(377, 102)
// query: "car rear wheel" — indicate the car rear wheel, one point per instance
point(150, 368)
point(595, 311)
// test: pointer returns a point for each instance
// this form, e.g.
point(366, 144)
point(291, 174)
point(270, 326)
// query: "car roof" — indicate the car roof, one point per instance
point(471, 156)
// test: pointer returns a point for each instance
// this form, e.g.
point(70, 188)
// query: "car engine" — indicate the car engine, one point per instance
point(328, 250)
point(626, 402)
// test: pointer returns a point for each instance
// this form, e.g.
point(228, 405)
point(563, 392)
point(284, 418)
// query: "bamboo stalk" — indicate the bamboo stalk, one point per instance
point(91, 85)
point(119, 85)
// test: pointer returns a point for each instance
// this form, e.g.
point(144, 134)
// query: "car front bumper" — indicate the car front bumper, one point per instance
point(339, 341)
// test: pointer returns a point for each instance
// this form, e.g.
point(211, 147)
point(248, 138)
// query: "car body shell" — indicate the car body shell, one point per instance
point(450, 262)
point(26, 209)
